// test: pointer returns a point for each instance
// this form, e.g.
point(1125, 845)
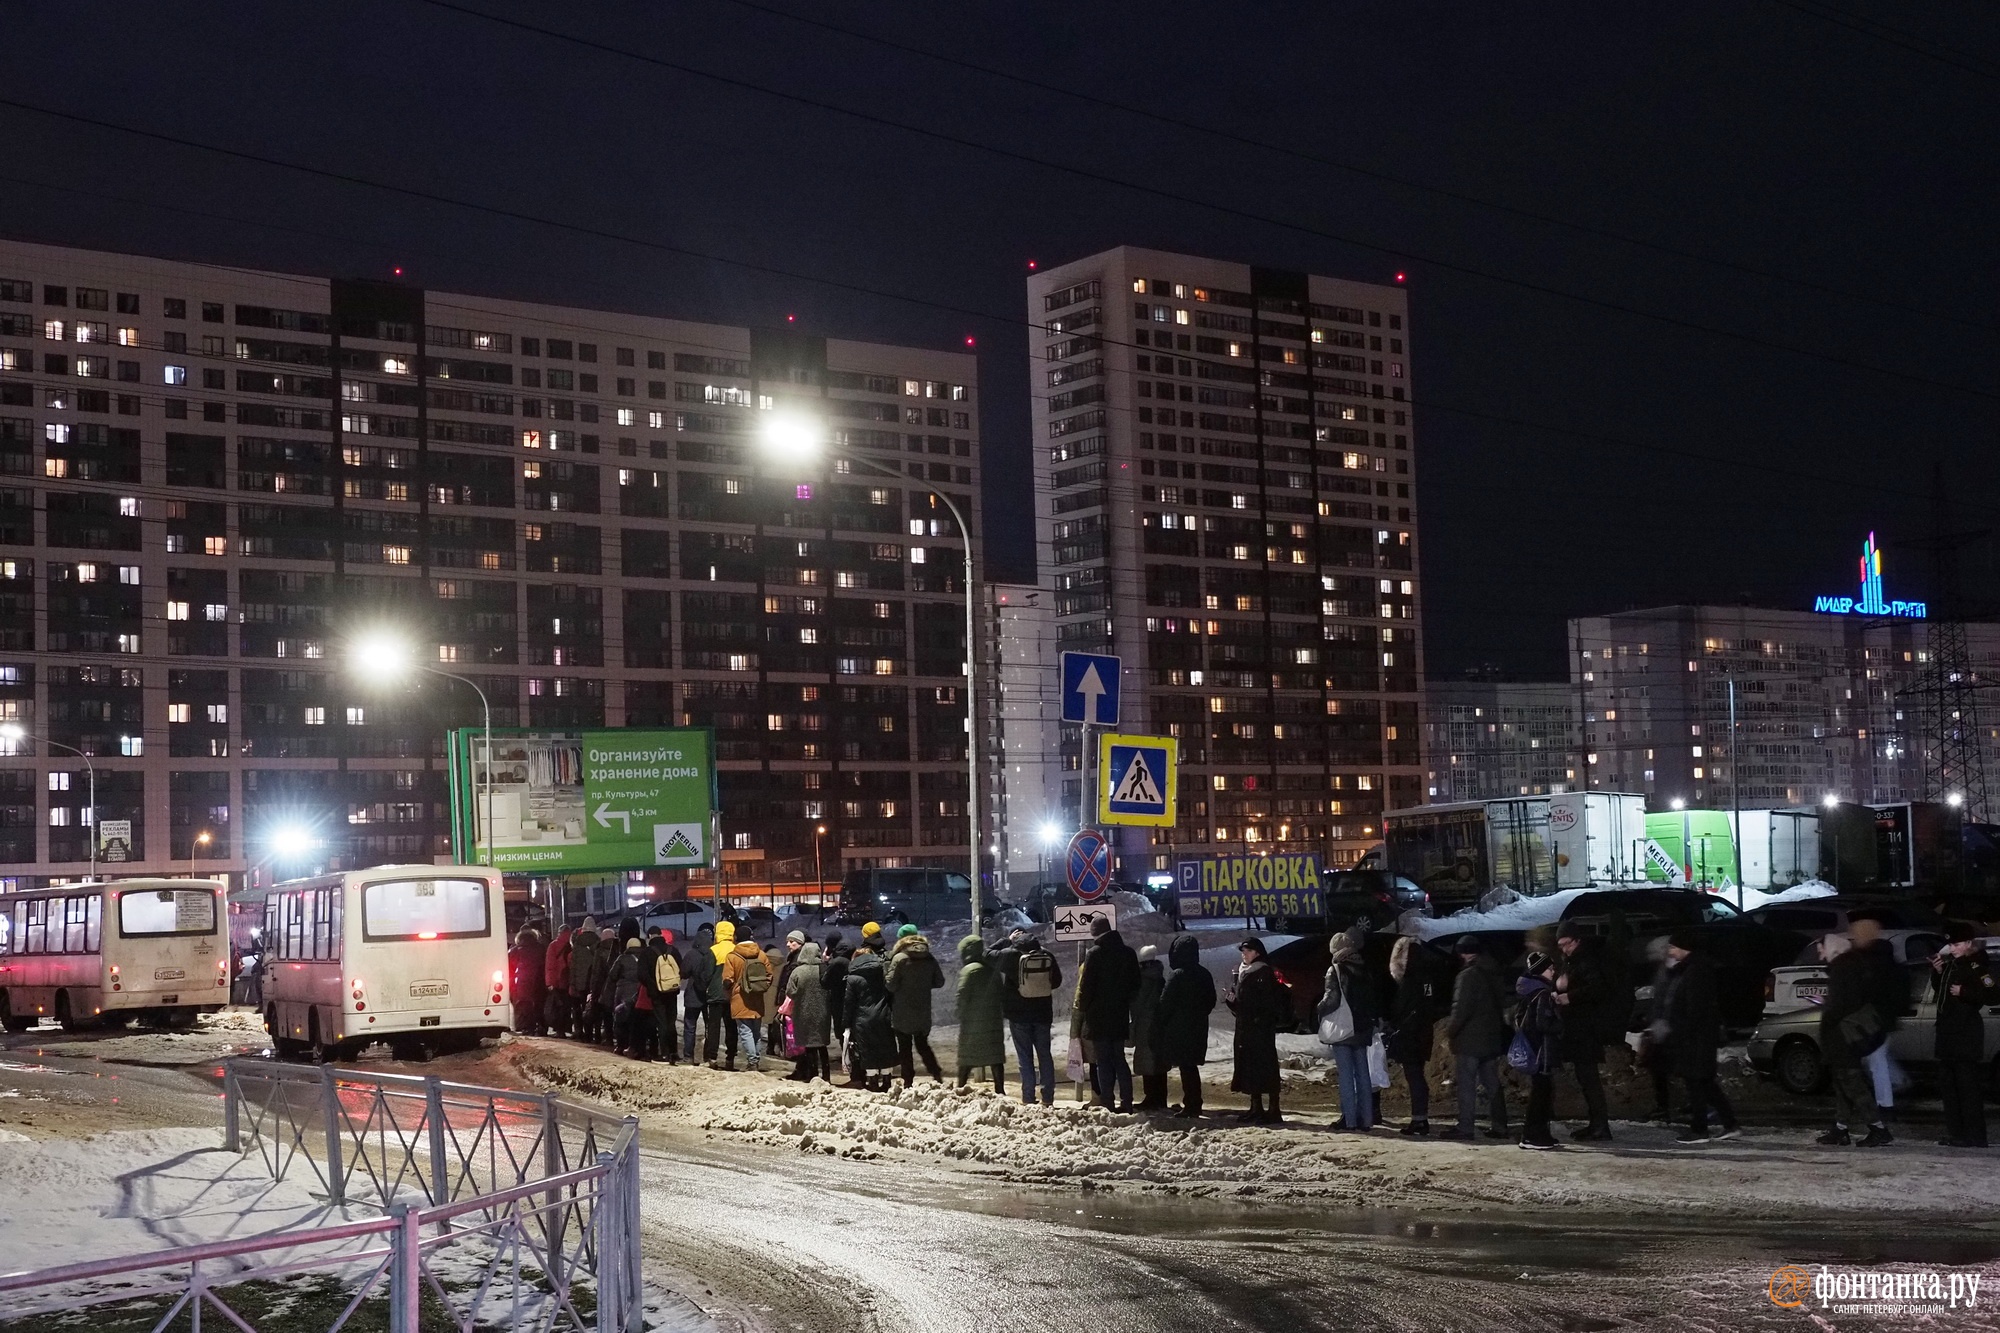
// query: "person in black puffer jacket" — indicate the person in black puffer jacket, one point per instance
point(1419, 1002)
point(871, 1027)
point(1029, 978)
point(1110, 981)
point(1855, 1020)
point(1477, 1029)
point(1963, 986)
point(1262, 1006)
point(1180, 1023)
point(1589, 1018)
point(1693, 1034)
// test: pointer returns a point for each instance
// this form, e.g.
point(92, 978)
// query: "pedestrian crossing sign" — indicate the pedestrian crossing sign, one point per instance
point(1136, 779)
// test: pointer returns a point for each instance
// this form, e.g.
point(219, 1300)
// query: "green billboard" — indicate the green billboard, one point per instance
point(556, 802)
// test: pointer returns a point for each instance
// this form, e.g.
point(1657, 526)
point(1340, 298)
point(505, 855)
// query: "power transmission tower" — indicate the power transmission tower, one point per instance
point(1947, 689)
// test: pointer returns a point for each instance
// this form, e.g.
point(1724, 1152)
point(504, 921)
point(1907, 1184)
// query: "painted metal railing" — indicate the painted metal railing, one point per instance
point(503, 1209)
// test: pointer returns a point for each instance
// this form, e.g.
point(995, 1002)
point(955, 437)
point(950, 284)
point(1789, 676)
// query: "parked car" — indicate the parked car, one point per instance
point(914, 896)
point(1801, 923)
point(1786, 1046)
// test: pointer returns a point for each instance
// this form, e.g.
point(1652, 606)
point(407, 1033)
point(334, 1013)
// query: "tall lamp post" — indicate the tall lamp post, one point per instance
point(383, 658)
point(14, 732)
point(201, 839)
point(819, 872)
point(795, 438)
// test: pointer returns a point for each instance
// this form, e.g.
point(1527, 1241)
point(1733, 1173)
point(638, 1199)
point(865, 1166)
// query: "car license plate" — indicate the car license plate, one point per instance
point(431, 1021)
point(169, 974)
point(1810, 990)
point(420, 990)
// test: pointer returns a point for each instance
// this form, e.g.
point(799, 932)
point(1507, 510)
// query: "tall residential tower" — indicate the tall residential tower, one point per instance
point(1225, 497)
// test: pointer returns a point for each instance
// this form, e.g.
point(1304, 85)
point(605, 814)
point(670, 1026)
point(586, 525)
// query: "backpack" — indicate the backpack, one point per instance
point(1037, 976)
point(756, 975)
point(666, 974)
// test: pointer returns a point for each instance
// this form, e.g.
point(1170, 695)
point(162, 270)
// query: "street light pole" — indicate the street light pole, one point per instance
point(486, 711)
point(14, 732)
point(201, 839)
point(798, 435)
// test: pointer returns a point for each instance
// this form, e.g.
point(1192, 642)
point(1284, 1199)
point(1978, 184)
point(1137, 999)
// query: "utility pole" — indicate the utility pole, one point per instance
point(1948, 687)
point(1735, 796)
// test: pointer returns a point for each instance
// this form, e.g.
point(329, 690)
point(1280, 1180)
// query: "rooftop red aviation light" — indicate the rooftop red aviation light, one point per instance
point(1400, 277)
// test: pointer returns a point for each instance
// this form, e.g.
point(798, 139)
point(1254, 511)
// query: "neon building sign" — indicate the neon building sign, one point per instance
point(1871, 602)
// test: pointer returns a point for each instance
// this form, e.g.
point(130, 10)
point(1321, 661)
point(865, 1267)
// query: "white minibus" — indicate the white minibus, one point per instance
point(103, 954)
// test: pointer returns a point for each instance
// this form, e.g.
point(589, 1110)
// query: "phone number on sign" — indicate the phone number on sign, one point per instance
point(1253, 904)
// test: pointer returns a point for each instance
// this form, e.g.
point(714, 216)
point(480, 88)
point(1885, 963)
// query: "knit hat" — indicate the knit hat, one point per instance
point(1255, 945)
point(905, 930)
point(1539, 962)
point(1468, 944)
point(1960, 932)
point(1100, 926)
point(872, 931)
point(1569, 930)
point(796, 937)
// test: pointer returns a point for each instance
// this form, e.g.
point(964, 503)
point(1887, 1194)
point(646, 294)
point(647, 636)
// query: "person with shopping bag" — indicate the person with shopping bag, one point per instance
point(805, 1017)
point(1347, 1022)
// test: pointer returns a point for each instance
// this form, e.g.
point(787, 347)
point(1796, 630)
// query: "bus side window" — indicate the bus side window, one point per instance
point(270, 940)
point(93, 923)
point(37, 936)
point(74, 935)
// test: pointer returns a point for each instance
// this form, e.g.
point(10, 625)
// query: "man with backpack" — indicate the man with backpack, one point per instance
point(1029, 975)
point(750, 978)
point(665, 985)
point(1479, 1035)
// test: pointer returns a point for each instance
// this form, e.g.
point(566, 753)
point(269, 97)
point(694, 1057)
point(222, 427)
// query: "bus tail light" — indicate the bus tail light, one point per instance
point(222, 972)
point(360, 993)
point(499, 983)
point(116, 984)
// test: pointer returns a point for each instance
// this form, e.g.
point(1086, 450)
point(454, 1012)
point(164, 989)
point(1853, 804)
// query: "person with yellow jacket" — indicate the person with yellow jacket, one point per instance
point(750, 978)
point(715, 1000)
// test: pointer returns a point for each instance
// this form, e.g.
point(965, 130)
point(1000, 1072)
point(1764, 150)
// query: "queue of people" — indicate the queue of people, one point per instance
point(1136, 1019)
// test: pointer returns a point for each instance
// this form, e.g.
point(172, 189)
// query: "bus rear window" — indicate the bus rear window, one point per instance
point(424, 909)
point(166, 912)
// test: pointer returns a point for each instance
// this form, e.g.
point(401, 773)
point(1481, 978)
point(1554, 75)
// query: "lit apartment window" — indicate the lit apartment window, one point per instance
point(357, 717)
point(315, 717)
point(215, 545)
point(174, 374)
point(177, 610)
point(179, 712)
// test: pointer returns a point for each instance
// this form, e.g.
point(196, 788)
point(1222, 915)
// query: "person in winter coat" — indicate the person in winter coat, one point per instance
point(1477, 1029)
point(1694, 1030)
point(719, 1033)
point(750, 978)
point(1348, 982)
point(1540, 1029)
point(833, 979)
point(1259, 1002)
point(1855, 1020)
point(1180, 1020)
point(869, 1009)
point(1962, 985)
point(1591, 1016)
point(774, 1035)
point(1419, 1003)
point(1110, 981)
point(625, 982)
point(980, 1015)
point(587, 964)
point(911, 974)
point(555, 982)
point(1152, 1075)
point(699, 972)
point(665, 988)
point(812, 1025)
point(525, 964)
point(1029, 976)
point(1653, 1053)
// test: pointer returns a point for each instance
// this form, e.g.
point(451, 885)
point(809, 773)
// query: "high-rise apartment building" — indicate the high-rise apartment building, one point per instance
point(211, 477)
point(1486, 739)
point(1826, 705)
point(1225, 496)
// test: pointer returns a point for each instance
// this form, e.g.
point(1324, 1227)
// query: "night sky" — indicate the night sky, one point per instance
point(1760, 308)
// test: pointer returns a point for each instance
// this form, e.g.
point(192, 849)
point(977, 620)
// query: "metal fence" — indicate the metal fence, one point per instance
point(503, 1210)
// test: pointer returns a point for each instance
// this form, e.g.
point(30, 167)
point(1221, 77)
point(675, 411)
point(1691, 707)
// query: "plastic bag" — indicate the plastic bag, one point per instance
point(793, 1050)
point(1378, 1063)
point(1077, 1063)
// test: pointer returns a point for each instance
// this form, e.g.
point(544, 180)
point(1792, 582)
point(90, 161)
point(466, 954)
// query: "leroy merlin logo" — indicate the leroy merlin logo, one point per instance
point(678, 845)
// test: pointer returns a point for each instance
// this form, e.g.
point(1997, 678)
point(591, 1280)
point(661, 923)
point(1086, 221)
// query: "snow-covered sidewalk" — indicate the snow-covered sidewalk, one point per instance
point(1766, 1173)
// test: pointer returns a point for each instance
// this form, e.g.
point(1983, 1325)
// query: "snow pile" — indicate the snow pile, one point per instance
point(1502, 909)
point(218, 1036)
point(1754, 899)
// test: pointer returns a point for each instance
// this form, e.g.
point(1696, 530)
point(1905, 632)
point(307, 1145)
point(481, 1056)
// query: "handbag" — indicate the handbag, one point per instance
point(1378, 1063)
point(1076, 1062)
point(1521, 1052)
point(1336, 1022)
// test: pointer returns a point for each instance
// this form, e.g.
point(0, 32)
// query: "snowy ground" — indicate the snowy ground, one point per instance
point(1767, 1173)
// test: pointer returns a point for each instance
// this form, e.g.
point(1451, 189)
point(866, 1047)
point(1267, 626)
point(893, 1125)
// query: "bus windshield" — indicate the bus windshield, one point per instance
point(425, 909)
point(166, 912)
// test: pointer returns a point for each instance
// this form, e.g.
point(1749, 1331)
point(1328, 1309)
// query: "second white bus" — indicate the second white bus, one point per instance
point(414, 956)
point(91, 955)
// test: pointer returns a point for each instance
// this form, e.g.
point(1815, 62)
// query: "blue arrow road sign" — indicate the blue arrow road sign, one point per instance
point(1088, 865)
point(1090, 689)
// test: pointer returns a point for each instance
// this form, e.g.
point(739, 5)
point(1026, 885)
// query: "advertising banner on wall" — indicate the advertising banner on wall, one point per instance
point(556, 802)
point(1240, 886)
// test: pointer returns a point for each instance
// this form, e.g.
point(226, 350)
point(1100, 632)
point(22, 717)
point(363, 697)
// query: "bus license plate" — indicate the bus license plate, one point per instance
point(431, 1021)
point(170, 999)
point(425, 989)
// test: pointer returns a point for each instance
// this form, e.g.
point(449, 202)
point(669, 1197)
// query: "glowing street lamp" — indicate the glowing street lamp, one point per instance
point(201, 839)
point(382, 658)
point(292, 842)
point(13, 731)
point(797, 439)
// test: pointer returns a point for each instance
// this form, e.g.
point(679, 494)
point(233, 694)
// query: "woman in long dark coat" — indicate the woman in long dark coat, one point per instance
point(867, 1007)
point(1180, 1023)
point(1261, 1008)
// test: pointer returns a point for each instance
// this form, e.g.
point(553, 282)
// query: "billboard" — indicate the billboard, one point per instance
point(569, 801)
point(1240, 886)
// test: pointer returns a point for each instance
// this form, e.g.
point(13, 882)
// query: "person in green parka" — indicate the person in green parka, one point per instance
point(980, 1015)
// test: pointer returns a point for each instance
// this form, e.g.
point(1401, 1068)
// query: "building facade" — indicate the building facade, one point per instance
point(1826, 705)
point(1484, 739)
point(1225, 496)
point(211, 478)
point(1024, 764)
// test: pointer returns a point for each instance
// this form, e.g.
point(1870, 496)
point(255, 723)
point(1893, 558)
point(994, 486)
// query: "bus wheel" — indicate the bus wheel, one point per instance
point(410, 1052)
point(66, 1016)
point(12, 1021)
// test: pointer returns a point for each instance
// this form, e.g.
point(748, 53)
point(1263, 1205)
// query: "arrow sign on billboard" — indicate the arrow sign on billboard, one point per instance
point(605, 814)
